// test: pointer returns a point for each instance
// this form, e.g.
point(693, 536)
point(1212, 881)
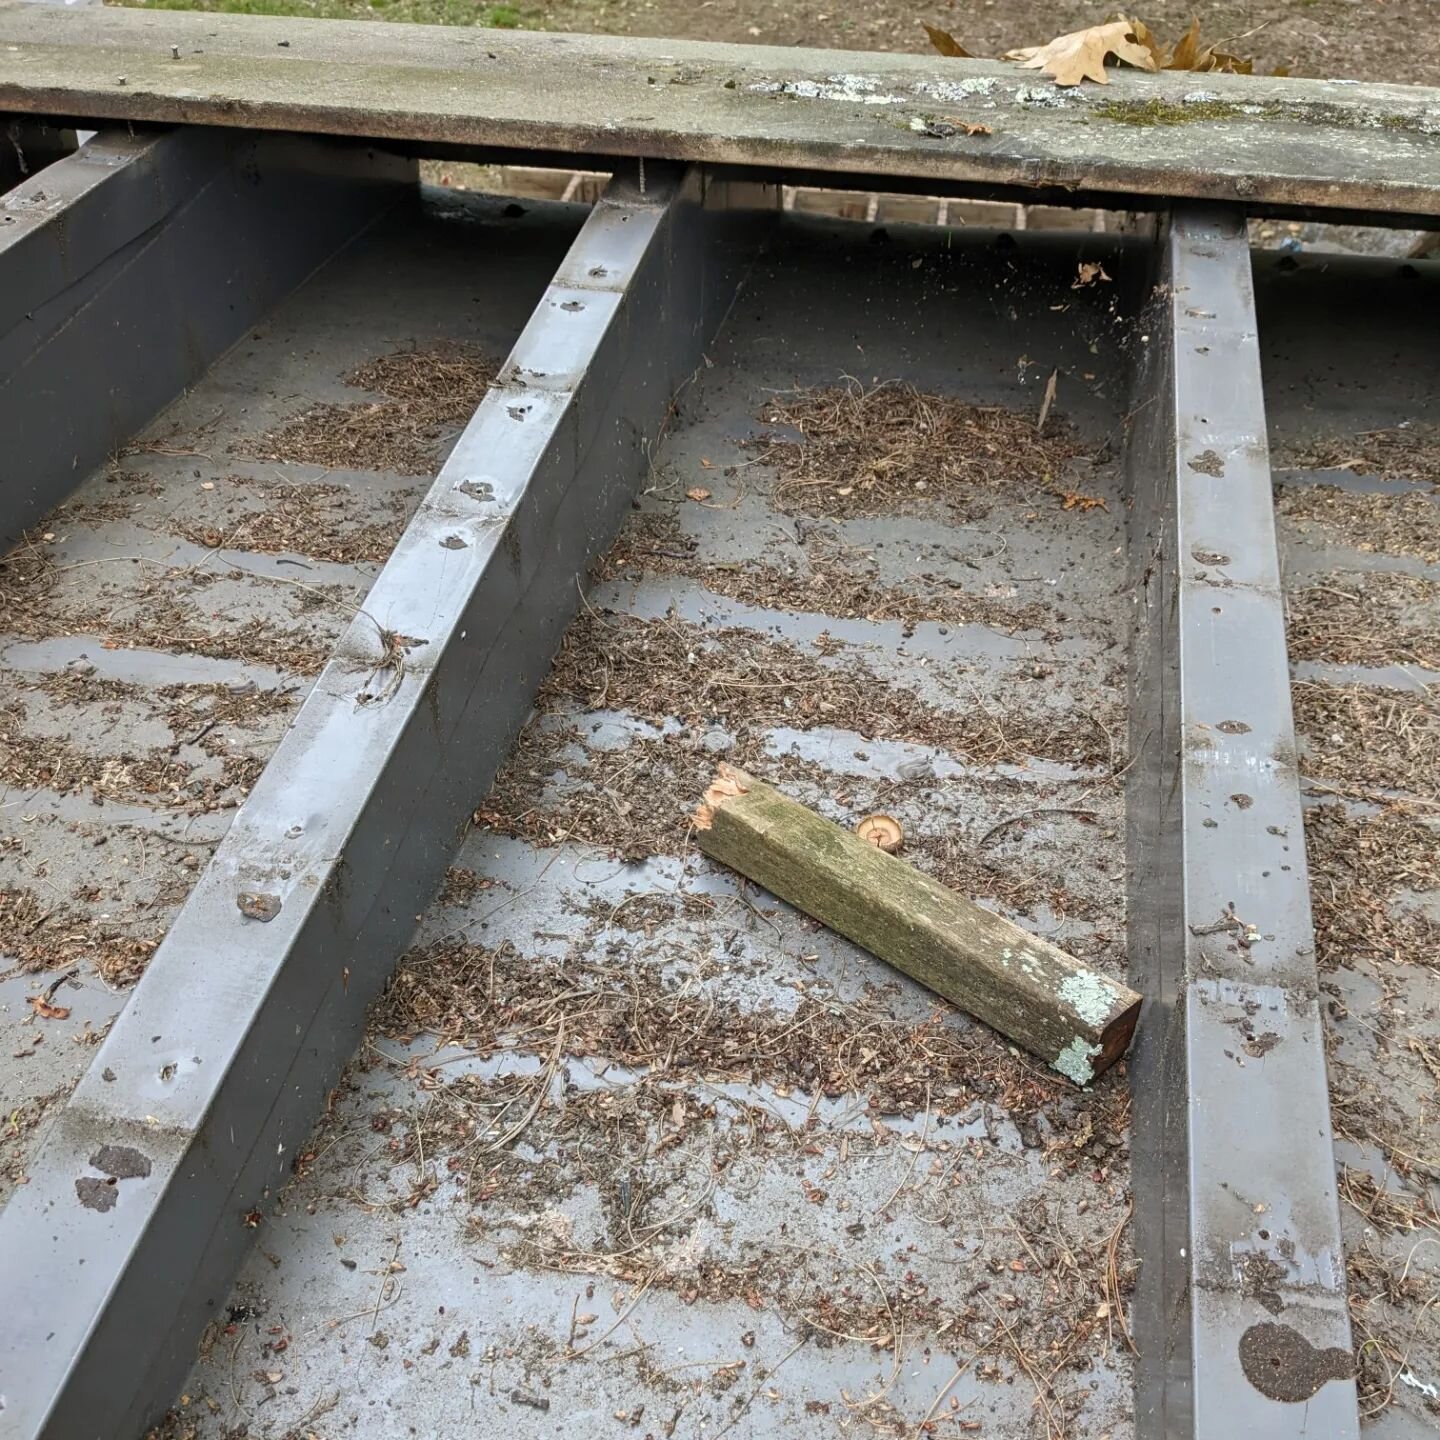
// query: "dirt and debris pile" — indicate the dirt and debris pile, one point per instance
point(861, 451)
point(426, 395)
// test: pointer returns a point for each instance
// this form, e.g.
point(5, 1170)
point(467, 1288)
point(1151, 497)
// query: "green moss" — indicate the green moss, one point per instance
point(1412, 123)
point(1188, 112)
point(1165, 112)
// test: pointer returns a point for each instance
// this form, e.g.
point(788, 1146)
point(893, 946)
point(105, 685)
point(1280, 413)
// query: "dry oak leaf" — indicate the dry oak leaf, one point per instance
point(1189, 54)
point(946, 43)
point(1069, 59)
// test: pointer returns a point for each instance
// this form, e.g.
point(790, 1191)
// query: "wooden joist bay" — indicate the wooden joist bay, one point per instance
point(1273, 143)
point(1075, 1018)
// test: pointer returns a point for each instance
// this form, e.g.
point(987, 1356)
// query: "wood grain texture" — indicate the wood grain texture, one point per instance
point(1270, 142)
point(1076, 1019)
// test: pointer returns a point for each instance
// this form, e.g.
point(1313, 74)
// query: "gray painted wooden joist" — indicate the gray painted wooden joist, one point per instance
point(1269, 142)
point(125, 1240)
point(114, 295)
point(1236, 1211)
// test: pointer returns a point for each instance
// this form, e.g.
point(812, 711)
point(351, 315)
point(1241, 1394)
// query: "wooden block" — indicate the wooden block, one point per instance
point(916, 209)
point(1076, 1019)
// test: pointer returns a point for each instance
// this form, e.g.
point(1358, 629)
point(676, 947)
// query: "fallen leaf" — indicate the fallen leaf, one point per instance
point(1048, 400)
point(1081, 55)
point(46, 1011)
point(1146, 37)
point(1073, 500)
point(706, 464)
point(697, 492)
point(1088, 272)
point(1225, 64)
point(1187, 49)
point(1190, 54)
point(946, 43)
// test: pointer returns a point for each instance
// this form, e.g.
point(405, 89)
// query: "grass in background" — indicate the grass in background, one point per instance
point(429, 12)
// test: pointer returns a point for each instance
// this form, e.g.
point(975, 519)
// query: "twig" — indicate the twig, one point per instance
point(1112, 1274)
point(994, 830)
point(621, 1318)
point(750, 1399)
point(234, 1392)
point(541, 1091)
point(385, 1275)
point(356, 1314)
point(1052, 1431)
point(939, 1400)
point(914, 1157)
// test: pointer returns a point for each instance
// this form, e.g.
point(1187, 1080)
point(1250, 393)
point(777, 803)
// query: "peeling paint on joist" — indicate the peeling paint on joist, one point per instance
point(1264, 140)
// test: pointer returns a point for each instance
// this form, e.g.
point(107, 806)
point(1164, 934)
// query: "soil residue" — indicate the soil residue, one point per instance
point(1394, 524)
point(893, 448)
point(425, 395)
point(1365, 619)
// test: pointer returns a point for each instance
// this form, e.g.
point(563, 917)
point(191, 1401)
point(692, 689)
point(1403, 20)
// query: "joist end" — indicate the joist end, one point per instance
point(727, 785)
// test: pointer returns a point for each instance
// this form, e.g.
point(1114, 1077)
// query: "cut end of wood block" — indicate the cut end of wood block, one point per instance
point(1082, 1061)
point(881, 831)
point(727, 785)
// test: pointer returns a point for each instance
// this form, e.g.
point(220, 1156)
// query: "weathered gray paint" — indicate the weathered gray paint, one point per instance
point(1236, 1208)
point(28, 146)
point(129, 266)
point(215, 1081)
point(1299, 142)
